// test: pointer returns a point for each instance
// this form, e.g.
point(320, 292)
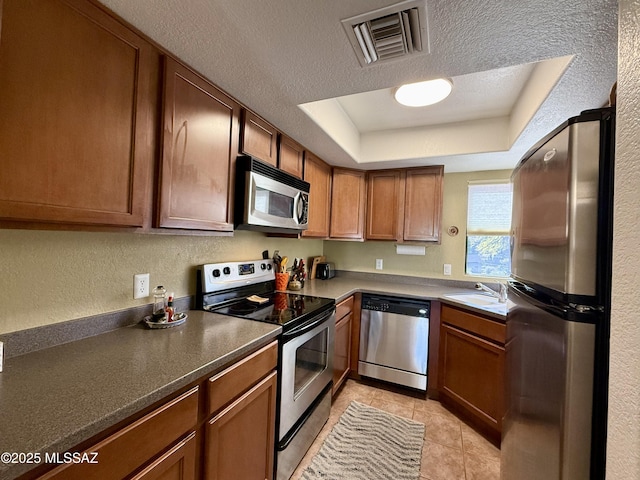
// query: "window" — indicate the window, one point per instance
point(488, 228)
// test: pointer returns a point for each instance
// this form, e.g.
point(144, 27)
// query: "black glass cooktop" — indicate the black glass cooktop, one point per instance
point(286, 309)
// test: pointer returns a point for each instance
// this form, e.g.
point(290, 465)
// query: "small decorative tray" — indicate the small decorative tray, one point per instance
point(178, 319)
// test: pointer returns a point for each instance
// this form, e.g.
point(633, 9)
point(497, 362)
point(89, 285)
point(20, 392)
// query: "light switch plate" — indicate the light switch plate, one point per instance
point(447, 269)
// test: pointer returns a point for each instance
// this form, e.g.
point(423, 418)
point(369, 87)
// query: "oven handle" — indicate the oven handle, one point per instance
point(308, 326)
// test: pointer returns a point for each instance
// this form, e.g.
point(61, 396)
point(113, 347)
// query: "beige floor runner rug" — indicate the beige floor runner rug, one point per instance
point(369, 444)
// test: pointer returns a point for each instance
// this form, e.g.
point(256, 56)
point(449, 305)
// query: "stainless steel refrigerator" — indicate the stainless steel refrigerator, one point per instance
point(557, 348)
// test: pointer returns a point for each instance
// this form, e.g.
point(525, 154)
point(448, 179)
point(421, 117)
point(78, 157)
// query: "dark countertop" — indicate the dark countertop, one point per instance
point(342, 286)
point(53, 399)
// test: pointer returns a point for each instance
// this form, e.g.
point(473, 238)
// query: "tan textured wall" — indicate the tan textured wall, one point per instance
point(361, 257)
point(49, 277)
point(623, 446)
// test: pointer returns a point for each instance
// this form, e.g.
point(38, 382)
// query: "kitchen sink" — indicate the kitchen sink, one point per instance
point(480, 300)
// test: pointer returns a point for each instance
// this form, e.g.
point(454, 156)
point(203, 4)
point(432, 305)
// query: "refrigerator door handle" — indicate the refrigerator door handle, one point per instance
point(536, 299)
point(565, 311)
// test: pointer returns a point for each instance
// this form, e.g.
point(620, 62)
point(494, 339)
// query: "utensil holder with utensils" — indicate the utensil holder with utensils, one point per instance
point(282, 279)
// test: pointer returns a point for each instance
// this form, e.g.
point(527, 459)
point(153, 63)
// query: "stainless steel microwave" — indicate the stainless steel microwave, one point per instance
point(269, 199)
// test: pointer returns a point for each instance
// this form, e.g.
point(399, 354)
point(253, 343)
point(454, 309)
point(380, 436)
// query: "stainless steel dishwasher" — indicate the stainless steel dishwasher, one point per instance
point(394, 340)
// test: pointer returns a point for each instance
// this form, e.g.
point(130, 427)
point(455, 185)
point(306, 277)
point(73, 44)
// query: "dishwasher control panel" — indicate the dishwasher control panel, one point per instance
point(403, 306)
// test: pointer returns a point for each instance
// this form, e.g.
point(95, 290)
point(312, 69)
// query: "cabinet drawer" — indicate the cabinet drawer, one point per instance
point(235, 380)
point(133, 446)
point(481, 326)
point(344, 308)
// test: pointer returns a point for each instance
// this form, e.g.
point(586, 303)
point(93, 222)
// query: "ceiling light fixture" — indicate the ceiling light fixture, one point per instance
point(421, 94)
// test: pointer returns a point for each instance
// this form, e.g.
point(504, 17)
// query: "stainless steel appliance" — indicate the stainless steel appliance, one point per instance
point(557, 345)
point(269, 199)
point(305, 365)
point(394, 340)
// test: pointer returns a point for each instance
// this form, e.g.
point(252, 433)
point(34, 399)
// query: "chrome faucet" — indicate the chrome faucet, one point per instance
point(501, 296)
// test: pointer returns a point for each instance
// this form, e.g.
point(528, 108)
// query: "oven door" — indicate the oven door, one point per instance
point(307, 368)
point(275, 204)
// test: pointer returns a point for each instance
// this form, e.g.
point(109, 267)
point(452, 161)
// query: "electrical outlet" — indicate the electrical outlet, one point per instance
point(447, 269)
point(141, 285)
point(378, 264)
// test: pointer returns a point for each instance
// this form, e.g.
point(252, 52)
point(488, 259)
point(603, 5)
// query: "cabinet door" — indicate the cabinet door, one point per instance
point(199, 151)
point(472, 375)
point(342, 351)
point(423, 204)
point(348, 191)
point(77, 96)
point(318, 174)
point(291, 156)
point(384, 205)
point(178, 463)
point(259, 138)
point(240, 440)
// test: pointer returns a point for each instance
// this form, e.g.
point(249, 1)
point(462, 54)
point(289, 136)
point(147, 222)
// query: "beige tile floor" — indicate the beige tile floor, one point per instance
point(452, 450)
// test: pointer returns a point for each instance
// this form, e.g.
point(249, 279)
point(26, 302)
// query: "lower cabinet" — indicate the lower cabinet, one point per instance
point(471, 367)
point(342, 342)
point(240, 439)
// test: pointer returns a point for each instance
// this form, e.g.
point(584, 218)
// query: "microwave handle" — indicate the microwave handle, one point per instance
point(301, 206)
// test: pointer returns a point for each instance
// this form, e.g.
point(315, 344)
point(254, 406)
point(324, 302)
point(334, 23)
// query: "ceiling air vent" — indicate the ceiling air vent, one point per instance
point(390, 32)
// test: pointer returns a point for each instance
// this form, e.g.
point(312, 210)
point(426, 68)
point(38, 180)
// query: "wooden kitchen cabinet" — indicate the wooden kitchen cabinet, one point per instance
point(161, 442)
point(471, 367)
point(77, 116)
point(290, 156)
point(348, 197)
point(318, 174)
point(240, 438)
point(423, 204)
point(200, 139)
point(342, 343)
point(405, 205)
point(385, 204)
point(259, 138)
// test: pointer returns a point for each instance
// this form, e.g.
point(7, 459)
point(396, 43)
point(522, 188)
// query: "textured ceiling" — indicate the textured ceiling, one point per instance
point(273, 56)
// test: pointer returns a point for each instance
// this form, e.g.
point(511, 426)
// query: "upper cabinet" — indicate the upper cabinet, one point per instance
point(348, 192)
point(318, 174)
point(405, 205)
point(385, 204)
point(291, 156)
point(200, 141)
point(259, 138)
point(423, 204)
point(77, 96)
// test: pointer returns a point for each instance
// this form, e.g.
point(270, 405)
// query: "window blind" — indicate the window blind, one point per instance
point(489, 208)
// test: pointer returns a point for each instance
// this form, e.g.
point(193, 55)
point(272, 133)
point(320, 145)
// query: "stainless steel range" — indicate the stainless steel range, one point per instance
point(305, 366)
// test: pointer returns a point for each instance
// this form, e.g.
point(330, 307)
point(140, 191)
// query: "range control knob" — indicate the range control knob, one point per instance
point(269, 266)
point(226, 270)
point(263, 266)
point(216, 273)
